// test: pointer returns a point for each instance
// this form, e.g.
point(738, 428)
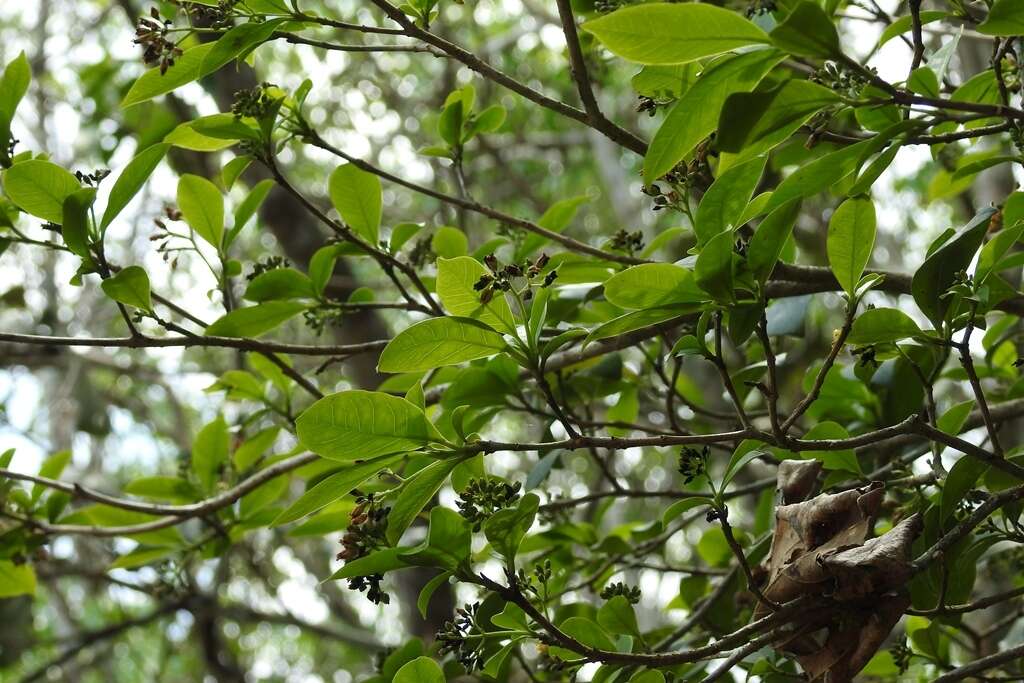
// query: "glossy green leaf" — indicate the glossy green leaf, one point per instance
point(437, 342)
point(851, 237)
point(75, 222)
point(187, 68)
point(254, 321)
point(236, 42)
point(881, 326)
point(248, 208)
point(939, 270)
point(695, 115)
point(357, 425)
point(617, 616)
point(39, 188)
point(129, 287)
point(449, 242)
point(335, 487)
point(761, 120)
point(807, 32)
point(905, 23)
point(961, 479)
point(651, 285)
point(415, 494)
point(506, 528)
point(210, 452)
point(423, 601)
point(131, 180)
point(13, 86)
point(713, 271)
point(662, 33)
point(356, 194)
point(202, 206)
point(455, 280)
point(768, 242)
point(280, 283)
point(1005, 18)
point(420, 670)
point(722, 205)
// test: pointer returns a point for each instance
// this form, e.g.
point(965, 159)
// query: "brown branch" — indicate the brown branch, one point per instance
point(240, 343)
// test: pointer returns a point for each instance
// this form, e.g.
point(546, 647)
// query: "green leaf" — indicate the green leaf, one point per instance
point(662, 33)
point(186, 69)
point(16, 579)
point(506, 528)
point(420, 670)
point(767, 243)
point(695, 116)
point(851, 237)
point(247, 209)
point(1005, 18)
point(845, 460)
point(680, 506)
point(961, 479)
point(356, 425)
point(415, 494)
point(210, 452)
point(634, 320)
point(807, 32)
point(953, 420)
point(203, 207)
point(939, 270)
point(423, 601)
point(651, 285)
point(749, 449)
point(321, 266)
point(455, 280)
point(819, 175)
point(356, 195)
point(722, 205)
point(556, 218)
point(263, 495)
point(39, 188)
point(335, 487)
point(994, 250)
point(141, 556)
point(188, 136)
point(905, 23)
point(174, 489)
point(237, 42)
point(75, 222)
point(617, 616)
point(923, 81)
point(437, 342)
point(252, 448)
point(648, 677)
point(129, 287)
point(449, 242)
point(254, 320)
point(131, 180)
point(713, 271)
point(280, 283)
point(448, 541)
point(881, 326)
point(377, 562)
point(51, 468)
point(761, 120)
point(13, 86)
point(588, 633)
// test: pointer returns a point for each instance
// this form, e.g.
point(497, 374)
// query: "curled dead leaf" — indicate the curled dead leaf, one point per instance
point(820, 548)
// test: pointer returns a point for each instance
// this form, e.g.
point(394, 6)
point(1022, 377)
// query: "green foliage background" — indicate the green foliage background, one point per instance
point(526, 302)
